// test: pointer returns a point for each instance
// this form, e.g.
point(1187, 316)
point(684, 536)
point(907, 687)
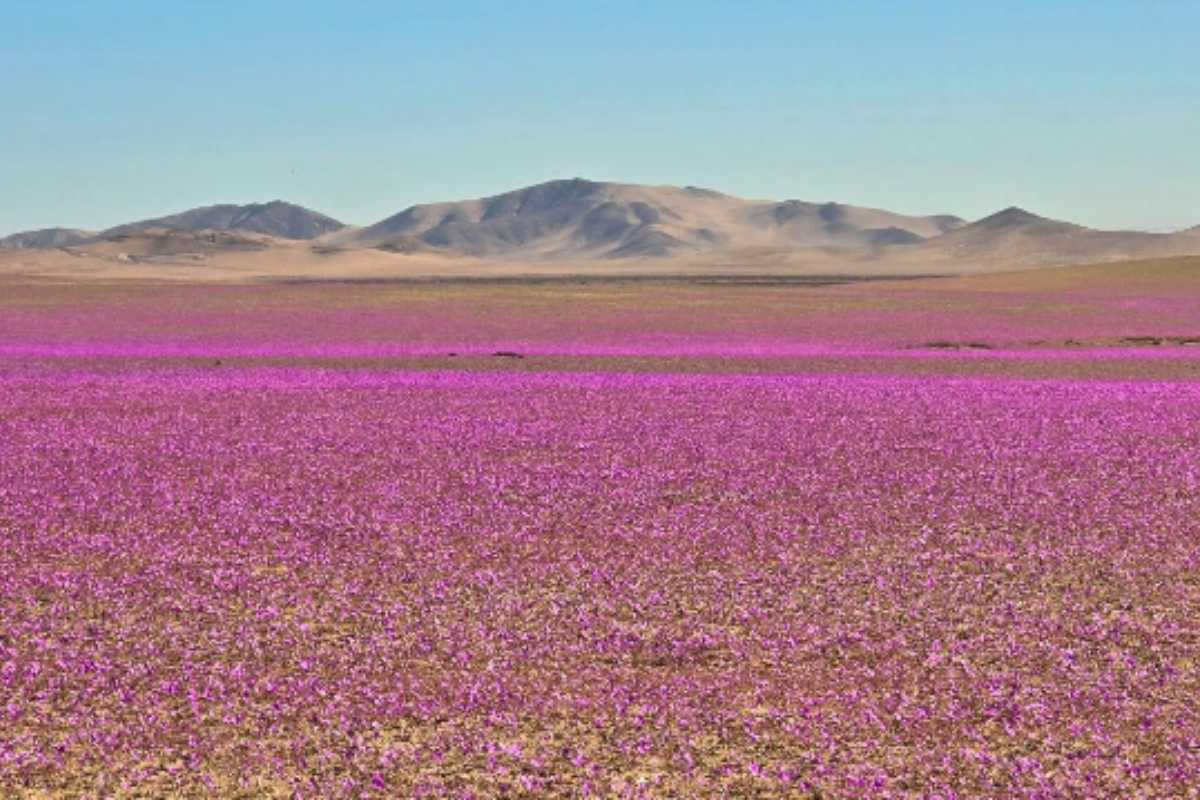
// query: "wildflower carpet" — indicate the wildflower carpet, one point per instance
point(623, 542)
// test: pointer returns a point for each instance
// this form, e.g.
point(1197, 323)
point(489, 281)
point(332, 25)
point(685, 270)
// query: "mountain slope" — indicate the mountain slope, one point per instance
point(46, 237)
point(580, 218)
point(277, 218)
point(1017, 236)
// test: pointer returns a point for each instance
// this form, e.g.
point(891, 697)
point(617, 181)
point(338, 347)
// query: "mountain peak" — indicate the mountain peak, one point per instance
point(1011, 217)
point(580, 218)
point(274, 218)
point(46, 237)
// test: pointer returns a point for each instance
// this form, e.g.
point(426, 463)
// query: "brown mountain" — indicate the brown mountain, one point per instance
point(46, 237)
point(276, 218)
point(1015, 236)
point(586, 219)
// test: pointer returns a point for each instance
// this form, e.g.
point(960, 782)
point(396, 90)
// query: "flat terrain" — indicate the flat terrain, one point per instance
point(1073, 315)
point(184, 260)
point(611, 537)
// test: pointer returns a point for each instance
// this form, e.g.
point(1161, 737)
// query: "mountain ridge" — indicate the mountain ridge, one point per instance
point(45, 237)
point(577, 220)
point(574, 217)
point(274, 218)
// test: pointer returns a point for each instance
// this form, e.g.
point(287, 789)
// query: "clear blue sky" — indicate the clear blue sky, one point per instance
point(112, 111)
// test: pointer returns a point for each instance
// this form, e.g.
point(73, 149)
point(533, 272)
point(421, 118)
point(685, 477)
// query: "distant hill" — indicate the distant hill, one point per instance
point(1017, 236)
point(579, 218)
point(166, 242)
point(277, 218)
point(47, 237)
point(1013, 218)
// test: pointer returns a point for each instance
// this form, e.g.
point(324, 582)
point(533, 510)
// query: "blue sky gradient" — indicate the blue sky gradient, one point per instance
point(1088, 111)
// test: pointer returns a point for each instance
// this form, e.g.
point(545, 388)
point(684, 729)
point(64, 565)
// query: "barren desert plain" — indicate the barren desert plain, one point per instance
point(576, 533)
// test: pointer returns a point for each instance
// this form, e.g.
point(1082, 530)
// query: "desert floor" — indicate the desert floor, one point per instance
point(585, 536)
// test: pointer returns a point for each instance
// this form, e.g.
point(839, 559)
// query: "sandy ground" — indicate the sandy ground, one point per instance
point(279, 260)
point(303, 262)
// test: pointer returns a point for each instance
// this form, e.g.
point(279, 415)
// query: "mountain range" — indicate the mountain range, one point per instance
point(276, 218)
point(582, 220)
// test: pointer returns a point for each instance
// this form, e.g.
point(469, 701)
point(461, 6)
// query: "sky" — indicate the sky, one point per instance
point(122, 110)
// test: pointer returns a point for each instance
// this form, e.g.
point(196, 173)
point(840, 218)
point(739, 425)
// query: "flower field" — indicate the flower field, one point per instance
point(337, 566)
